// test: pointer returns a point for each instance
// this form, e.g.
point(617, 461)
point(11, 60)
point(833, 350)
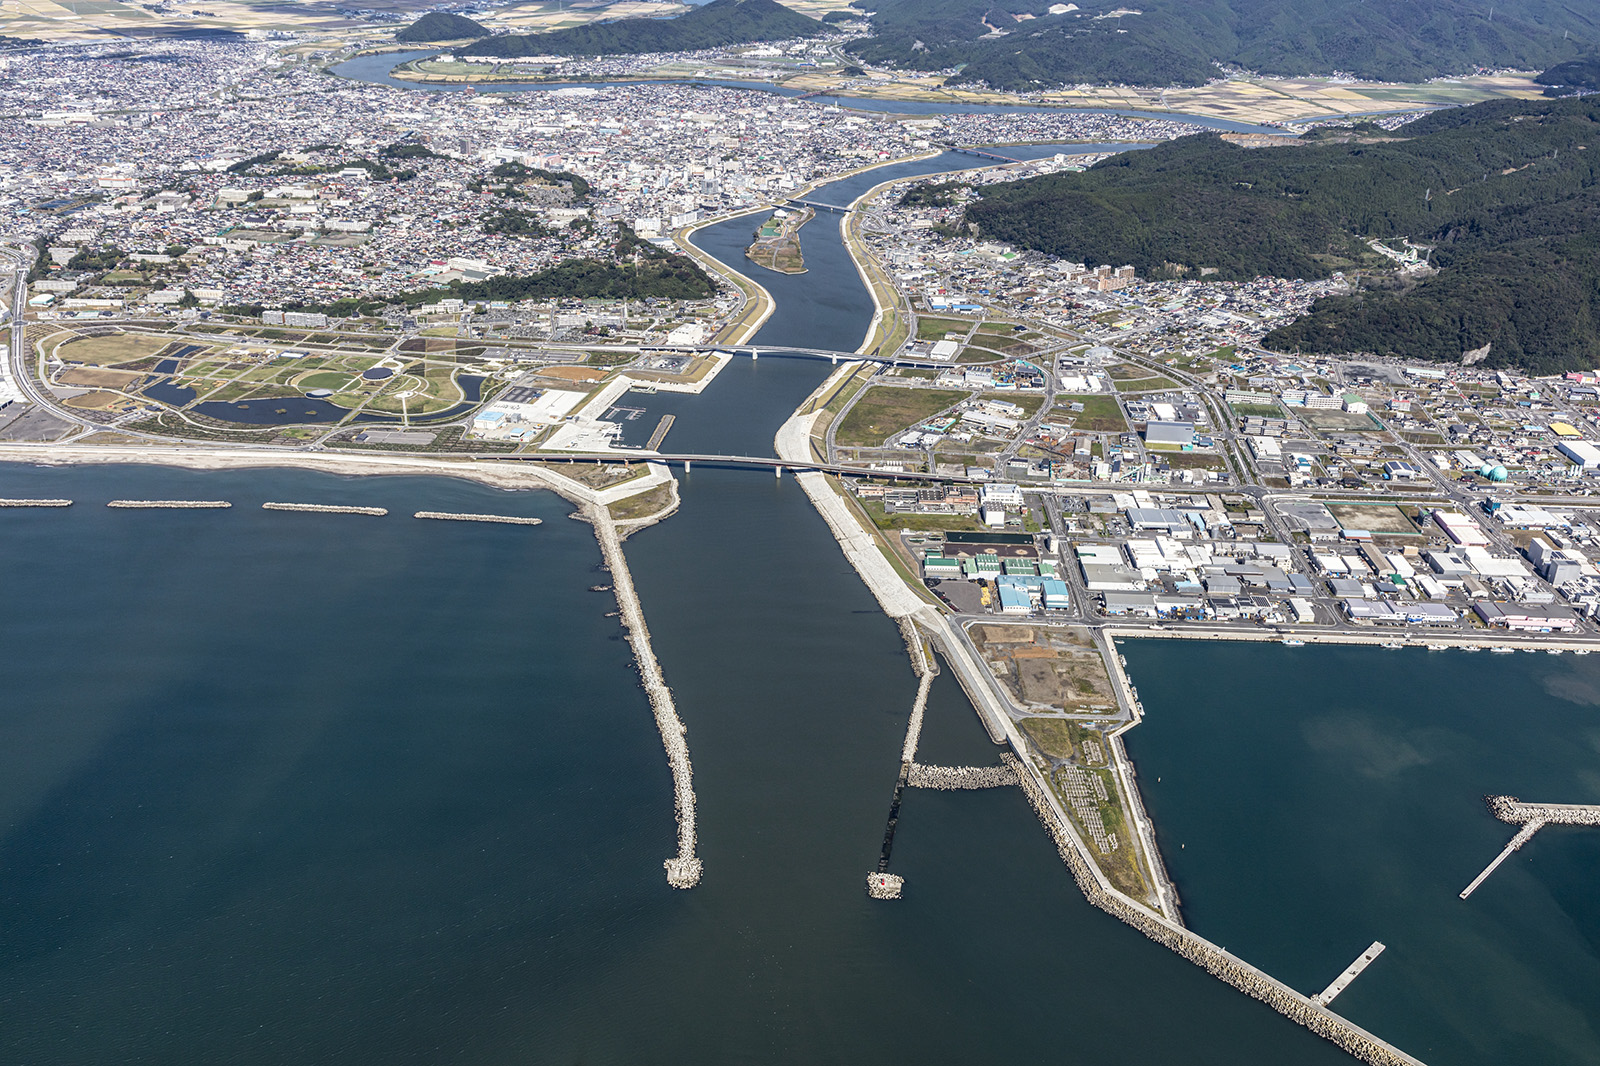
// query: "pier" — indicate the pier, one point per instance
point(179, 504)
point(35, 503)
point(1351, 972)
point(506, 519)
point(685, 868)
point(325, 508)
point(1532, 817)
point(661, 432)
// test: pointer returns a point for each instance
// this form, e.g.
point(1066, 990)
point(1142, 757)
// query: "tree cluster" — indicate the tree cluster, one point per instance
point(1507, 195)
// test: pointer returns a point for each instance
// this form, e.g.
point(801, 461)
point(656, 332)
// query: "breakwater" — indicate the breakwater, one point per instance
point(35, 503)
point(324, 508)
point(506, 519)
point(178, 504)
point(683, 870)
point(952, 778)
point(1208, 956)
point(1510, 809)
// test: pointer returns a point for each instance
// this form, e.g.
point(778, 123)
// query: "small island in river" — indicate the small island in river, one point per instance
point(777, 242)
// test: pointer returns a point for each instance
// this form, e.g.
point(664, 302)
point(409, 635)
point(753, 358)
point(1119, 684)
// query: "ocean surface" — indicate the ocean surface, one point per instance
point(1309, 801)
point(282, 787)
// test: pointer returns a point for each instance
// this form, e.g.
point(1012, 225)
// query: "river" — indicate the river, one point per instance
point(375, 69)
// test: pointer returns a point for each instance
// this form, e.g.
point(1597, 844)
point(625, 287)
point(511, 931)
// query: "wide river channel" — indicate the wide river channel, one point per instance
point(304, 788)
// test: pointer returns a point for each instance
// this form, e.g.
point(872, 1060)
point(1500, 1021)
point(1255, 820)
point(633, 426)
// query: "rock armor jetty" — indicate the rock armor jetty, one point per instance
point(684, 869)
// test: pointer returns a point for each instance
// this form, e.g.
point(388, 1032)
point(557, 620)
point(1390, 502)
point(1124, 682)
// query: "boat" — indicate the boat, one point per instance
point(1555, 651)
point(1393, 644)
point(1503, 651)
point(1580, 651)
point(599, 588)
point(1290, 642)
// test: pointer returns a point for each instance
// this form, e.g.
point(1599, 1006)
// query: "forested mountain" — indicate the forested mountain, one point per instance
point(441, 26)
point(1574, 74)
point(719, 23)
point(1020, 44)
point(1508, 193)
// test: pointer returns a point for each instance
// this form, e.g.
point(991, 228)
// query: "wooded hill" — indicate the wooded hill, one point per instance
point(1508, 193)
point(441, 26)
point(717, 24)
point(1181, 42)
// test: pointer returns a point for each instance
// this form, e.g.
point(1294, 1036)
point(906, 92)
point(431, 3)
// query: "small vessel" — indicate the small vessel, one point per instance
point(1580, 651)
point(1503, 651)
point(1393, 644)
point(599, 588)
point(1290, 642)
point(1554, 651)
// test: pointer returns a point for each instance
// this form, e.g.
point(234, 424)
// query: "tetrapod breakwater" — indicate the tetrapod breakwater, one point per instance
point(683, 870)
point(452, 516)
point(1208, 956)
point(1532, 817)
point(325, 508)
point(953, 778)
point(1510, 809)
point(35, 503)
point(173, 504)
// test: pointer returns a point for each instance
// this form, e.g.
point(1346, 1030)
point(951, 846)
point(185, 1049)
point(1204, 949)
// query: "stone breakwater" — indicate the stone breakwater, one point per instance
point(684, 870)
point(1236, 972)
point(1510, 809)
point(35, 503)
point(325, 508)
point(885, 886)
point(953, 778)
point(177, 504)
point(452, 516)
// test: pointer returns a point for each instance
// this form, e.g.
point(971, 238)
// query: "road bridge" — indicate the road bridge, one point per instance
point(981, 154)
point(820, 206)
point(778, 466)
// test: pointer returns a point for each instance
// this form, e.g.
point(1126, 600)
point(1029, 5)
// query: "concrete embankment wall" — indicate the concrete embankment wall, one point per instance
point(684, 870)
point(1236, 972)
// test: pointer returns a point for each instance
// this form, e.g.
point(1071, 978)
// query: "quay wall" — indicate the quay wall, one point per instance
point(684, 869)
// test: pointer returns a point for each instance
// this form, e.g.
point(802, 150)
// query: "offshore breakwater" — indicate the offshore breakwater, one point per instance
point(35, 503)
point(325, 508)
point(504, 519)
point(171, 504)
point(684, 869)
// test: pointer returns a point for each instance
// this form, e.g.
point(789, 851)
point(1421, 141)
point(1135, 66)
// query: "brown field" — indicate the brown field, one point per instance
point(95, 378)
point(1054, 668)
point(579, 374)
point(94, 401)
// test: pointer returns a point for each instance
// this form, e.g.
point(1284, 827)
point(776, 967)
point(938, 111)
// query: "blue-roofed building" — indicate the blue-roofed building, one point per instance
point(1056, 597)
point(1014, 600)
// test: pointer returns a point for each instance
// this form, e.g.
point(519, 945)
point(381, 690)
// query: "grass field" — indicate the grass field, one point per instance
point(115, 348)
point(1151, 384)
point(882, 412)
point(1100, 414)
point(933, 329)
